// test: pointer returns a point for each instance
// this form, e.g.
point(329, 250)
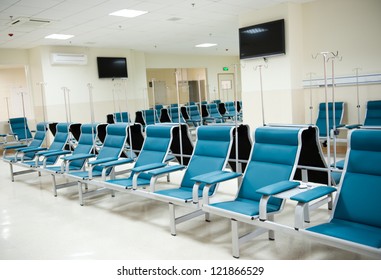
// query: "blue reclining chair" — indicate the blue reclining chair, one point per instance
point(84, 150)
point(153, 155)
point(210, 154)
point(175, 116)
point(372, 119)
point(20, 151)
point(231, 111)
point(272, 164)
point(213, 114)
point(192, 114)
point(355, 223)
point(45, 156)
point(150, 117)
point(121, 117)
point(321, 121)
point(372, 115)
point(20, 129)
point(146, 117)
point(108, 157)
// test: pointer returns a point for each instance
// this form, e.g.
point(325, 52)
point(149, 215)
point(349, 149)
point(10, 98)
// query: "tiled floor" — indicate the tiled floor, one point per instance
point(35, 225)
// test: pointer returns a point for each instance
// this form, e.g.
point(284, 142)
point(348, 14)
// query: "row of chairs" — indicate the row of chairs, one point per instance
point(190, 114)
point(372, 117)
point(276, 156)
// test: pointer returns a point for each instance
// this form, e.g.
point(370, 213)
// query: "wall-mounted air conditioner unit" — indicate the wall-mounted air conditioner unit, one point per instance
point(68, 58)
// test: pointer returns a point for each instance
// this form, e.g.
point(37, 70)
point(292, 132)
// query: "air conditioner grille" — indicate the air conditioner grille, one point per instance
point(29, 22)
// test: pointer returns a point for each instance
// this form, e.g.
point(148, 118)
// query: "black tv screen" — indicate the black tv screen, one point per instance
point(112, 67)
point(261, 40)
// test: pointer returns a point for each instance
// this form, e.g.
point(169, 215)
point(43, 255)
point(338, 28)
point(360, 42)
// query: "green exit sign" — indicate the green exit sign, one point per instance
point(225, 68)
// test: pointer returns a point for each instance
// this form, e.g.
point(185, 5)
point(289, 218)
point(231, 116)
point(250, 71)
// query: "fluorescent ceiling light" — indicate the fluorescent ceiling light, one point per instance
point(59, 36)
point(128, 13)
point(206, 45)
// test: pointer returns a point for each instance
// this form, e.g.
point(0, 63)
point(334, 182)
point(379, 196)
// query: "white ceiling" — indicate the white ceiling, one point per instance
point(170, 26)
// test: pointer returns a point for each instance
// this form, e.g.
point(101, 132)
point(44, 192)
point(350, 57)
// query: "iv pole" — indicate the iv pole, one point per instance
point(238, 167)
point(199, 98)
point(358, 95)
point(311, 107)
point(260, 83)
point(90, 87)
point(128, 114)
point(178, 112)
point(326, 57)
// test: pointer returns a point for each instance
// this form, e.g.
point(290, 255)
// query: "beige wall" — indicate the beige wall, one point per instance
point(351, 28)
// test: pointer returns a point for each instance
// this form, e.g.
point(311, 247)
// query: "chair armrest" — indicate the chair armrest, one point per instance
point(101, 161)
point(165, 170)
point(216, 177)
point(14, 147)
point(352, 126)
point(114, 162)
point(278, 187)
point(37, 149)
point(78, 156)
point(312, 194)
point(270, 190)
point(148, 167)
point(48, 153)
point(210, 179)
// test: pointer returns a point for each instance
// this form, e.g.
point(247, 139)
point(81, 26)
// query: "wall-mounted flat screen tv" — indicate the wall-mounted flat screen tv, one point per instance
point(262, 40)
point(112, 67)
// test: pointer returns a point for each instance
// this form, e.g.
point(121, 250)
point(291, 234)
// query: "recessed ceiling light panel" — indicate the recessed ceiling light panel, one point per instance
point(128, 13)
point(206, 45)
point(59, 36)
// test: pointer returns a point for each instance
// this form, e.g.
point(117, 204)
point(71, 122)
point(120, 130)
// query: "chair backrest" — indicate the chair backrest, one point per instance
point(175, 117)
point(210, 153)
point(156, 146)
point(191, 113)
point(19, 127)
point(38, 139)
point(273, 158)
point(321, 121)
point(230, 107)
point(150, 116)
point(121, 117)
point(61, 138)
point(213, 110)
point(158, 107)
point(359, 194)
point(194, 112)
point(373, 113)
point(86, 143)
point(114, 143)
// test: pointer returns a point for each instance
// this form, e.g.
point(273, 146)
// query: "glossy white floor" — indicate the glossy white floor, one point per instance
point(35, 225)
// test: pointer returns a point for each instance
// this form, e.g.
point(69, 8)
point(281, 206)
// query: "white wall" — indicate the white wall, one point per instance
point(281, 78)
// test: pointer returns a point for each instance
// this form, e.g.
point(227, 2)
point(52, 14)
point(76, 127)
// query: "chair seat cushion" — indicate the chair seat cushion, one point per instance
point(180, 193)
point(354, 232)
point(244, 206)
point(127, 182)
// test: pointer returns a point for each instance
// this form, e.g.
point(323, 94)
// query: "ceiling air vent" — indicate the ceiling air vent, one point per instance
point(29, 22)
